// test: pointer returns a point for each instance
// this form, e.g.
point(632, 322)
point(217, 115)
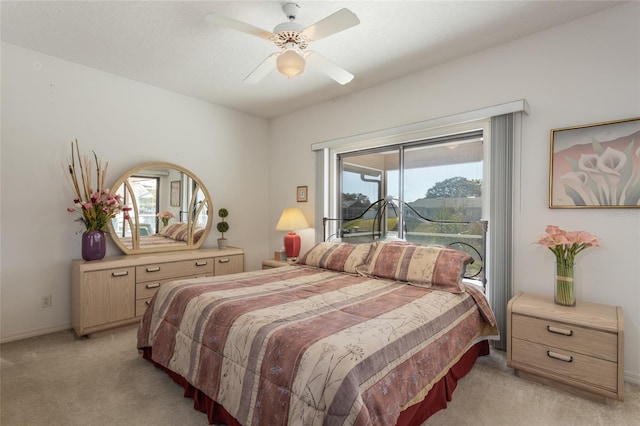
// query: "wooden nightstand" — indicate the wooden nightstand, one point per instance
point(272, 263)
point(579, 349)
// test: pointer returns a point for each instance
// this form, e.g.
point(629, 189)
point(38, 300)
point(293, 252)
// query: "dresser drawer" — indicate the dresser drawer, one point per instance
point(141, 306)
point(168, 270)
point(563, 363)
point(147, 289)
point(572, 338)
point(229, 264)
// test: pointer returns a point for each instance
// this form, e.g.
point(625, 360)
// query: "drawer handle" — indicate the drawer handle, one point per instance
point(153, 269)
point(201, 263)
point(226, 260)
point(120, 274)
point(156, 285)
point(557, 330)
point(560, 357)
point(148, 302)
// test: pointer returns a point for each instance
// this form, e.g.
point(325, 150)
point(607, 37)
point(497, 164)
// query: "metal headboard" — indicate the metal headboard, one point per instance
point(467, 236)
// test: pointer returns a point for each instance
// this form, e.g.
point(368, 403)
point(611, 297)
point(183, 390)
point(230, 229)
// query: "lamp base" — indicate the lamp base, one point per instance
point(292, 244)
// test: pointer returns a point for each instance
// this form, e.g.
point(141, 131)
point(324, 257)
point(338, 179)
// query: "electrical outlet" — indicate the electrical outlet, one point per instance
point(45, 301)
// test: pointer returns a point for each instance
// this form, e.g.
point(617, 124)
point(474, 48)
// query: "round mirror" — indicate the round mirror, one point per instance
point(169, 209)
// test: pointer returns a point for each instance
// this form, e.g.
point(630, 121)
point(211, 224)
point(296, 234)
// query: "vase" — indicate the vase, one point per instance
point(94, 245)
point(565, 293)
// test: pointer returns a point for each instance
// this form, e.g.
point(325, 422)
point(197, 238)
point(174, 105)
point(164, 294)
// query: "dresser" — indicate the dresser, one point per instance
point(116, 290)
point(579, 349)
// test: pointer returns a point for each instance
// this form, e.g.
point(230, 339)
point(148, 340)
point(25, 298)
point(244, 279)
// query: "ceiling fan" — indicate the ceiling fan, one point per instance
point(293, 40)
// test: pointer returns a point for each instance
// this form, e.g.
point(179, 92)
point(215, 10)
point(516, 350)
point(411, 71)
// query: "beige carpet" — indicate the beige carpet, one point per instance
point(59, 379)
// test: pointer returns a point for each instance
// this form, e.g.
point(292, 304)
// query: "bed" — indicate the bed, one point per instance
point(354, 334)
point(176, 234)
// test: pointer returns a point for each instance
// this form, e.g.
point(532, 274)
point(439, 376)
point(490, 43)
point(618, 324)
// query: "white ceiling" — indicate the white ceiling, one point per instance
point(168, 44)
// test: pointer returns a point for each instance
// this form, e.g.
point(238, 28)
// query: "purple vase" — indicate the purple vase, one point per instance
point(94, 245)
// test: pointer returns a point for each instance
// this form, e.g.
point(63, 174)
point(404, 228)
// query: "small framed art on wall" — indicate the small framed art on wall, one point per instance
point(302, 194)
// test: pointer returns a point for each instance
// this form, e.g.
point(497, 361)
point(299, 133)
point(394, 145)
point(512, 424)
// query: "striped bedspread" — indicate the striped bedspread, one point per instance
point(300, 345)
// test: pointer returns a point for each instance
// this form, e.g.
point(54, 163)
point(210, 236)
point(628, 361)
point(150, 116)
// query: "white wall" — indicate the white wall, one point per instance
point(46, 104)
point(583, 72)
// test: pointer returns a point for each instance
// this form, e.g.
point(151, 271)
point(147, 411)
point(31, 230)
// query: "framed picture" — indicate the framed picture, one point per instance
point(596, 165)
point(301, 194)
point(176, 187)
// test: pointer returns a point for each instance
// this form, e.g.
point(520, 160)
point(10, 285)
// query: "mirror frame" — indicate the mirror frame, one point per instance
point(134, 222)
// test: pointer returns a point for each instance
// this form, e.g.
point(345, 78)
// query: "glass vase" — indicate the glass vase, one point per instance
point(565, 292)
point(94, 245)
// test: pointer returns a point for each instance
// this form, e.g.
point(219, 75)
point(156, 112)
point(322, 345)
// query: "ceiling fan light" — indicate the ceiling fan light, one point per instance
point(290, 63)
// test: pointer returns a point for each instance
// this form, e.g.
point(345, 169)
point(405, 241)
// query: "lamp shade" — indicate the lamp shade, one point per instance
point(291, 220)
point(290, 63)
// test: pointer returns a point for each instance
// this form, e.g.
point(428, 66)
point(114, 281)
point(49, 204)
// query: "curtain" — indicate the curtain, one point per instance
point(321, 192)
point(500, 235)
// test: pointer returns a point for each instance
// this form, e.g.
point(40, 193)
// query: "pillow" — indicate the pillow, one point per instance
point(197, 234)
point(176, 231)
point(435, 267)
point(341, 257)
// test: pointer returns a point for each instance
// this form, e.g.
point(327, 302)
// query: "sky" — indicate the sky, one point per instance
point(417, 181)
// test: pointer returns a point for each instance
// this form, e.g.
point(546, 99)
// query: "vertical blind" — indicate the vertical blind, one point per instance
point(500, 235)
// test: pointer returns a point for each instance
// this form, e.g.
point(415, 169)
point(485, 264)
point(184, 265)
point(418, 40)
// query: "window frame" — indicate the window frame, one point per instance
point(334, 189)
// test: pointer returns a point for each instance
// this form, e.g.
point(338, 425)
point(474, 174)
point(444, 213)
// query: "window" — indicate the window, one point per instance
point(146, 193)
point(441, 178)
point(502, 133)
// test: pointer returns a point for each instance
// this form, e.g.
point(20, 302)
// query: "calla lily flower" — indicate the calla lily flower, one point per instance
point(565, 245)
point(589, 163)
point(611, 161)
point(578, 181)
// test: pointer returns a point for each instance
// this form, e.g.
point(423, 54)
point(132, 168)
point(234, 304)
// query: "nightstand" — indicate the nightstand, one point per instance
point(272, 263)
point(578, 349)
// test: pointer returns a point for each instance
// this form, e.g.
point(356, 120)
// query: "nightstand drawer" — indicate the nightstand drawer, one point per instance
point(572, 338)
point(562, 363)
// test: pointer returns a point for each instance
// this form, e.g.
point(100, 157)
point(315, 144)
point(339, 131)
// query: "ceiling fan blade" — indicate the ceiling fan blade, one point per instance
point(263, 69)
point(329, 68)
point(238, 26)
point(339, 21)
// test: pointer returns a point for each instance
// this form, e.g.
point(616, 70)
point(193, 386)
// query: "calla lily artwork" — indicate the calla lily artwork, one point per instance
point(596, 165)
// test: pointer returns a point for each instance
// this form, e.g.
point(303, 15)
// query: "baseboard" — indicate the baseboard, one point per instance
point(632, 377)
point(34, 333)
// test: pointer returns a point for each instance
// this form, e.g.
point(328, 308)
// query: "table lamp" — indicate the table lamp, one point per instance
point(291, 220)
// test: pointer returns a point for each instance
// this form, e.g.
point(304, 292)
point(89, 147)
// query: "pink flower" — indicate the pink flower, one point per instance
point(553, 230)
point(566, 244)
point(588, 239)
point(165, 214)
point(96, 207)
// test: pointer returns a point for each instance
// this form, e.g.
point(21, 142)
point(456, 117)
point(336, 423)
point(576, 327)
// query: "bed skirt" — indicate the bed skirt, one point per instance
point(436, 399)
